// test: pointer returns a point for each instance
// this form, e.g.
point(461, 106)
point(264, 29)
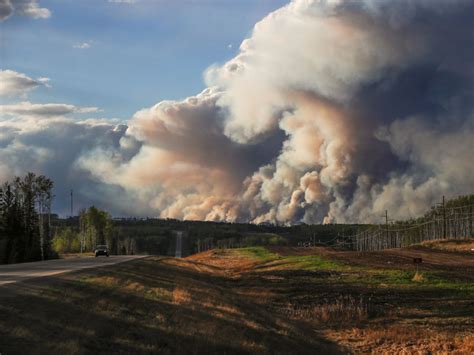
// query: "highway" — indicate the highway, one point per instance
point(13, 273)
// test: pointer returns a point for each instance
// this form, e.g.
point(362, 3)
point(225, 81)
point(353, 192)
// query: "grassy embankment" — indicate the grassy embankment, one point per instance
point(151, 305)
point(374, 302)
point(279, 299)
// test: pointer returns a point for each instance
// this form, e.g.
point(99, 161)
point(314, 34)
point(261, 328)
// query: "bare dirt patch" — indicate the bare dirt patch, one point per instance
point(222, 261)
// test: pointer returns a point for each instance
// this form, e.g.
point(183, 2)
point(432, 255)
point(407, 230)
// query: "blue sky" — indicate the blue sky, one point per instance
point(138, 54)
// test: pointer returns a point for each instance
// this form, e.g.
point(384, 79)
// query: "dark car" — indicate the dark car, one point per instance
point(101, 250)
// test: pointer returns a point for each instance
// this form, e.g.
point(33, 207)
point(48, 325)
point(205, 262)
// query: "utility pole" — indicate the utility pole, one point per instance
point(387, 234)
point(470, 221)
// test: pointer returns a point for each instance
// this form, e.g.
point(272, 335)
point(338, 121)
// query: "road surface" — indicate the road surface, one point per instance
point(18, 272)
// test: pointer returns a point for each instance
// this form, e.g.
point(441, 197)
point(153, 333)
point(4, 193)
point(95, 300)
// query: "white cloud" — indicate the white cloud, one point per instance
point(28, 109)
point(23, 7)
point(30, 8)
point(83, 45)
point(14, 84)
point(52, 145)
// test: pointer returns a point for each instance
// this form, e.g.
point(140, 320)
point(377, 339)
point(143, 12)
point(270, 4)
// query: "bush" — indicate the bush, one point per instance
point(66, 241)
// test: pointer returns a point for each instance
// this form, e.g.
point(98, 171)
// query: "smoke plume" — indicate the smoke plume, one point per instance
point(333, 111)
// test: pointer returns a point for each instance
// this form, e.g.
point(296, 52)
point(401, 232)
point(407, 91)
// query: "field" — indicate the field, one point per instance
point(266, 300)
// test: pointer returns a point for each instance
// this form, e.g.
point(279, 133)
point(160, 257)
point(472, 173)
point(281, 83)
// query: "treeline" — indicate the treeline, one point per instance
point(25, 219)
point(157, 236)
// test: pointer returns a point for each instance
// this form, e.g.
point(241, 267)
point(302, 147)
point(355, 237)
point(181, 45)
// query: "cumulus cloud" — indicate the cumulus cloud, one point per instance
point(52, 146)
point(332, 111)
point(22, 7)
point(14, 84)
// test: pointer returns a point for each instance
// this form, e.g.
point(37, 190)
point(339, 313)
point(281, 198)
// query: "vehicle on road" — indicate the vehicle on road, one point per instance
point(101, 250)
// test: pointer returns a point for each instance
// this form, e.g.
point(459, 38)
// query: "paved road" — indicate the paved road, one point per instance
point(18, 272)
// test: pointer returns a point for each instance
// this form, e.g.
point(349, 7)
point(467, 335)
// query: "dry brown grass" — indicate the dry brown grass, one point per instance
point(462, 245)
point(223, 302)
point(404, 339)
point(401, 318)
point(418, 277)
point(181, 296)
point(345, 308)
point(228, 262)
point(154, 305)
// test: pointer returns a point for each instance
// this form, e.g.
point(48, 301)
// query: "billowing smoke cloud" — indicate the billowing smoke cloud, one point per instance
point(332, 111)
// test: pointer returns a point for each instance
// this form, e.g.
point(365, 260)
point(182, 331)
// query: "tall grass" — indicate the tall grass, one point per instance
point(345, 308)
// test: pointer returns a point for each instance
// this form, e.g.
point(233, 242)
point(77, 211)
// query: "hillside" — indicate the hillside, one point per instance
point(266, 300)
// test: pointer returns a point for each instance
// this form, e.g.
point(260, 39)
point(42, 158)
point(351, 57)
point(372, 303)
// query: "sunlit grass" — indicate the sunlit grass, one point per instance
point(356, 274)
point(259, 253)
point(314, 262)
point(151, 305)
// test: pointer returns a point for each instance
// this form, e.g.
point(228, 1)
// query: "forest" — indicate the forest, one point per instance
point(25, 219)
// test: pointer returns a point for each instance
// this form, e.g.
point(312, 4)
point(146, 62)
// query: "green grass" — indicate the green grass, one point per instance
point(259, 253)
point(441, 281)
point(306, 262)
point(403, 278)
point(315, 262)
point(359, 275)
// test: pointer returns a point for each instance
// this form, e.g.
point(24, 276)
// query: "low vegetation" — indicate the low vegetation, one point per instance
point(459, 245)
point(258, 299)
point(152, 305)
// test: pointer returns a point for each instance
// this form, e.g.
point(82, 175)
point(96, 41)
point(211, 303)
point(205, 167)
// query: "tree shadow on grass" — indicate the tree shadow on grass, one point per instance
point(76, 313)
